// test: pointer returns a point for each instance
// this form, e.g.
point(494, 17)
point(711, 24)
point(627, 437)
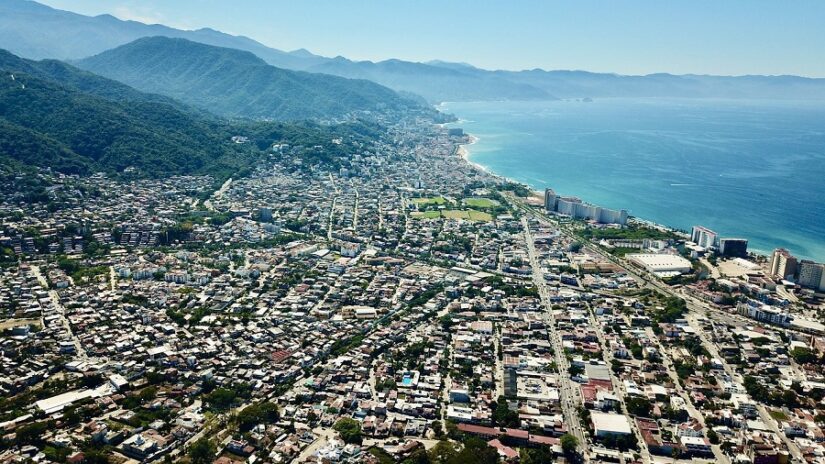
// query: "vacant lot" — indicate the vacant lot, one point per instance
point(430, 201)
point(480, 202)
point(12, 323)
point(471, 214)
point(425, 214)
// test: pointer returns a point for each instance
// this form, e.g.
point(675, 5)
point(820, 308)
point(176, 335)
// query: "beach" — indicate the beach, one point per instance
point(743, 169)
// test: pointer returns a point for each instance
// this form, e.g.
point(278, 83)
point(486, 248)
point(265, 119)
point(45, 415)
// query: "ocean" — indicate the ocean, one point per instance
point(750, 169)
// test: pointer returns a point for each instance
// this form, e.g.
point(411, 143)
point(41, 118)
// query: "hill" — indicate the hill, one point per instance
point(82, 81)
point(56, 116)
point(236, 83)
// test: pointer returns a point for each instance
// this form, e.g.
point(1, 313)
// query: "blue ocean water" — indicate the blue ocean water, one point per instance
point(752, 169)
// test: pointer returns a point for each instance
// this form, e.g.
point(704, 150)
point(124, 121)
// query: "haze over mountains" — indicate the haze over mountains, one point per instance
point(237, 83)
point(56, 116)
point(36, 31)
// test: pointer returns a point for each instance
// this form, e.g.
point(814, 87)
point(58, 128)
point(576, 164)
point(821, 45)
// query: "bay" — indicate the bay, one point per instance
point(751, 169)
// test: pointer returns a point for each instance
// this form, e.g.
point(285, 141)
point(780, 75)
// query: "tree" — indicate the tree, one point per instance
point(503, 416)
point(260, 413)
point(574, 370)
point(31, 434)
point(220, 399)
point(419, 456)
point(202, 451)
point(442, 452)
point(475, 451)
point(349, 429)
point(538, 455)
point(803, 355)
point(638, 406)
point(569, 443)
point(437, 429)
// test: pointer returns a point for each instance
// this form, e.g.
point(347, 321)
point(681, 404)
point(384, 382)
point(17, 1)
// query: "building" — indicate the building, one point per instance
point(577, 209)
point(733, 247)
point(265, 214)
point(782, 264)
point(810, 274)
point(609, 424)
point(704, 237)
point(510, 382)
point(696, 445)
point(660, 264)
point(764, 313)
point(550, 199)
point(350, 249)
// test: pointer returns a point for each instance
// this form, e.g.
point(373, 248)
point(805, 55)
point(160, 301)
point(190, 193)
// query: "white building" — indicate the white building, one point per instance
point(661, 265)
point(607, 424)
point(704, 237)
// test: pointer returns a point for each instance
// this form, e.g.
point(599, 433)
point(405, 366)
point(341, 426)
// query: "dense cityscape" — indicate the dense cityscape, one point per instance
point(213, 251)
point(404, 307)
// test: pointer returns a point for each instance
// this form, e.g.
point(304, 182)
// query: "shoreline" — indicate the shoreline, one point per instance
point(463, 152)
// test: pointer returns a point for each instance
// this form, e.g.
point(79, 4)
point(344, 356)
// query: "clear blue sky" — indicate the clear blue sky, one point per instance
point(627, 37)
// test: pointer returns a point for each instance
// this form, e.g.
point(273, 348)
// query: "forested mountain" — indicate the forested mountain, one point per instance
point(56, 116)
point(236, 83)
point(83, 81)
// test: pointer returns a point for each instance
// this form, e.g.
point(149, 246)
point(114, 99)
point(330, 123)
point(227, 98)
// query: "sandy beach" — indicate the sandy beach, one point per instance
point(463, 151)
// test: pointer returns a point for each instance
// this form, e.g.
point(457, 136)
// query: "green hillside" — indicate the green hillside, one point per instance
point(54, 115)
point(236, 83)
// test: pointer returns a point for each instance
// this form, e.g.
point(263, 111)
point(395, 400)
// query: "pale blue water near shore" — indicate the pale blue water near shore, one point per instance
point(752, 169)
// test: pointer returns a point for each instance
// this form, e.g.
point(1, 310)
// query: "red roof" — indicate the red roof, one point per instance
point(280, 356)
point(606, 384)
point(543, 440)
point(588, 393)
point(517, 433)
point(479, 430)
point(504, 450)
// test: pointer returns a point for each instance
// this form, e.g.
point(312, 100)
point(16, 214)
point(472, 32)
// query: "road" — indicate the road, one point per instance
point(763, 412)
point(112, 278)
point(568, 395)
point(331, 218)
point(618, 385)
point(695, 307)
point(355, 210)
point(80, 352)
point(218, 194)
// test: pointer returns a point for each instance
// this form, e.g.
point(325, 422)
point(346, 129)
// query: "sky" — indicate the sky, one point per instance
point(724, 37)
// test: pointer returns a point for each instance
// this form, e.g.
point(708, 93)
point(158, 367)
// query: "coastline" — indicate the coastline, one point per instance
point(463, 151)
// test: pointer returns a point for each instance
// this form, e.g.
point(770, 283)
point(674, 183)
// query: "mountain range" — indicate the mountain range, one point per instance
point(236, 83)
point(56, 116)
point(36, 31)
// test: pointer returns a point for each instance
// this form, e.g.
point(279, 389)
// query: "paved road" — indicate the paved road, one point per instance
point(331, 217)
point(618, 385)
point(80, 352)
point(218, 194)
point(568, 391)
point(644, 281)
point(708, 343)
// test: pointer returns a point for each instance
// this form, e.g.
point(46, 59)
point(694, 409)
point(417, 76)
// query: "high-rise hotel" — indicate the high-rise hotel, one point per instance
point(577, 209)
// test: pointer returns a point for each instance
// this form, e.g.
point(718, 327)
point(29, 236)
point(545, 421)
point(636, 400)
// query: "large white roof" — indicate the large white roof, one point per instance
point(610, 423)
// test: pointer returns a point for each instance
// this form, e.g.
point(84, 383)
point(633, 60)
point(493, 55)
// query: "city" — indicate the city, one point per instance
point(405, 305)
